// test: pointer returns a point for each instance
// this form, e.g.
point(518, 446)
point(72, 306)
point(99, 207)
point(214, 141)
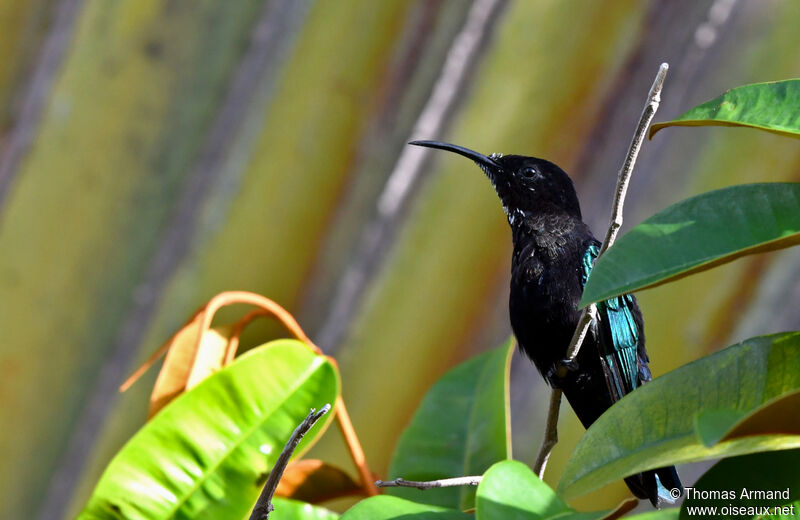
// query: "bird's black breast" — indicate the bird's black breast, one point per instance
point(547, 278)
point(546, 284)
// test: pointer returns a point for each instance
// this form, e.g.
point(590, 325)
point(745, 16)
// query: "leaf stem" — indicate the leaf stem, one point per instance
point(354, 446)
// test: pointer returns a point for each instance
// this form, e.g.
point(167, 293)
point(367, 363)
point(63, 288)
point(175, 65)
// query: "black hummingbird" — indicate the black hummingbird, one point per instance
point(554, 252)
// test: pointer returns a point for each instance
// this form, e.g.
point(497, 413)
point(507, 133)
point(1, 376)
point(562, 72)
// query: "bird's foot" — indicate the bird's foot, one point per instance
point(553, 377)
point(570, 364)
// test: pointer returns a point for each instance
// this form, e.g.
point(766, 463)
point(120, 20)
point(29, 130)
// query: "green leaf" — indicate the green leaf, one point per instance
point(731, 482)
point(510, 490)
point(663, 514)
point(654, 426)
point(207, 453)
point(773, 106)
point(711, 425)
point(697, 234)
point(386, 507)
point(461, 428)
point(287, 509)
point(776, 416)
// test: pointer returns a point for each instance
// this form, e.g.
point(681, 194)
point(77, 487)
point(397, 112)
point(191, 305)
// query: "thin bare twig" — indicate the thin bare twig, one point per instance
point(431, 484)
point(589, 313)
point(264, 505)
point(550, 433)
point(587, 317)
point(653, 100)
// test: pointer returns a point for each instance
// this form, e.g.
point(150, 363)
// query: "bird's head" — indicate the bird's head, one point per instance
point(525, 184)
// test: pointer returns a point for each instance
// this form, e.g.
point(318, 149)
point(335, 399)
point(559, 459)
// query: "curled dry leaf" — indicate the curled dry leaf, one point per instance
point(315, 481)
point(188, 362)
point(197, 351)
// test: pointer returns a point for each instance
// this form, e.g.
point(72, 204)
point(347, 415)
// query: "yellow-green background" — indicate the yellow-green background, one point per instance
point(152, 140)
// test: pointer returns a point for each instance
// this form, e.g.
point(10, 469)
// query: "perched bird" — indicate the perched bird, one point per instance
point(554, 252)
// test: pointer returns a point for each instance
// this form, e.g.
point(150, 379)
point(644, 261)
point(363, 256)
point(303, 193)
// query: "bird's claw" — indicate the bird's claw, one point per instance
point(552, 376)
point(570, 364)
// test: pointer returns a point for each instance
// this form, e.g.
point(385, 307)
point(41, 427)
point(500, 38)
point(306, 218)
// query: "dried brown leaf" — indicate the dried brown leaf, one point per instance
point(315, 481)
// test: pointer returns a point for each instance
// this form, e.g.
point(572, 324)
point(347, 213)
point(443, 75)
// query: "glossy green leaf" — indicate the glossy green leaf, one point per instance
point(697, 234)
point(739, 482)
point(510, 491)
point(287, 509)
point(711, 425)
point(654, 426)
point(777, 416)
point(461, 428)
point(663, 514)
point(773, 106)
point(386, 507)
point(207, 453)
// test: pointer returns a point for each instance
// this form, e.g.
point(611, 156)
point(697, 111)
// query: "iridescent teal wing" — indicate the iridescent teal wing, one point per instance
point(620, 342)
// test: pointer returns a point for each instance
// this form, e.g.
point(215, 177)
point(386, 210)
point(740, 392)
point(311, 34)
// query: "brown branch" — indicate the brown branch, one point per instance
point(431, 484)
point(653, 100)
point(550, 433)
point(264, 506)
point(584, 322)
point(589, 313)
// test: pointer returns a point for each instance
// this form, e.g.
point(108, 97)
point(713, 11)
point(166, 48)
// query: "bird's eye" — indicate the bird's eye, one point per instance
point(528, 172)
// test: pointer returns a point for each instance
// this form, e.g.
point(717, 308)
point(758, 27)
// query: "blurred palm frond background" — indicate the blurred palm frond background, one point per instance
point(156, 152)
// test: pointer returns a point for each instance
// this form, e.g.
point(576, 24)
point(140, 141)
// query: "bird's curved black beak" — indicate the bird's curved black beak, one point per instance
point(481, 159)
